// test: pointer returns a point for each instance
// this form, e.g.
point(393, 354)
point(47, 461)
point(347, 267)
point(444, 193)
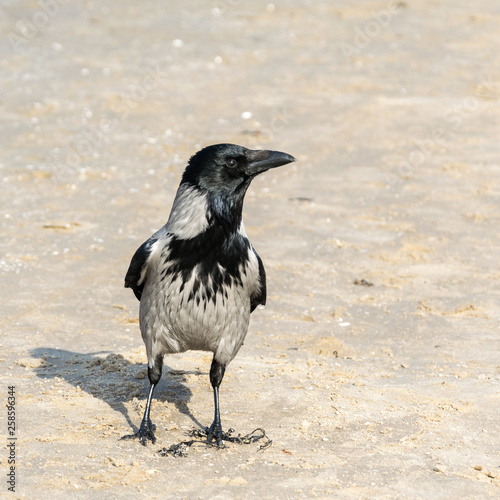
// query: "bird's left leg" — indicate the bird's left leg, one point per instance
point(147, 428)
point(216, 374)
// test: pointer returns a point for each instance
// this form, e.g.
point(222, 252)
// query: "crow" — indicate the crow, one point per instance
point(198, 278)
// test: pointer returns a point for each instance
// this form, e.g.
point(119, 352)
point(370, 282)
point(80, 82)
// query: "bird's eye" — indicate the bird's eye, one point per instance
point(231, 163)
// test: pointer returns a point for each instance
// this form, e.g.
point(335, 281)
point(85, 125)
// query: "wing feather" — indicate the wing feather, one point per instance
point(260, 297)
point(136, 274)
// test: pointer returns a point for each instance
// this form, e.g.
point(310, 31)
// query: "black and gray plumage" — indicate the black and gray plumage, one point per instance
point(198, 278)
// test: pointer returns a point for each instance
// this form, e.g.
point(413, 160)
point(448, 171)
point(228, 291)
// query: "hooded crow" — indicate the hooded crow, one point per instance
point(198, 278)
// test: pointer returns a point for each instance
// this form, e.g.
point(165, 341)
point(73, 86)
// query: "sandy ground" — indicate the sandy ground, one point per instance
point(392, 109)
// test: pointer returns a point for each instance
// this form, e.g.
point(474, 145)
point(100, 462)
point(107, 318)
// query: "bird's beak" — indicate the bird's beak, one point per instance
point(260, 161)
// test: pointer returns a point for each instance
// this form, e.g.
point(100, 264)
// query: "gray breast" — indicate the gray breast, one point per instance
point(180, 312)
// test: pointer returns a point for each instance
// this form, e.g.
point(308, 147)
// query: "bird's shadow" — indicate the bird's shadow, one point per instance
point(114, 379)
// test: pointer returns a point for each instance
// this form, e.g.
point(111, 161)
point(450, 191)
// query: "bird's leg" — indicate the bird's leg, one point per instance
point(215, 430)
point(147, 428)
point(216, 374)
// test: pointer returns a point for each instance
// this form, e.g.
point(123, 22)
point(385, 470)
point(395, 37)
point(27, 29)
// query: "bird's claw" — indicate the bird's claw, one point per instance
point(145, 433)
point(214, 432)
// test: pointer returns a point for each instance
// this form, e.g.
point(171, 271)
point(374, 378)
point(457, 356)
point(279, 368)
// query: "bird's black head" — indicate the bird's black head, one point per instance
point(226, 170)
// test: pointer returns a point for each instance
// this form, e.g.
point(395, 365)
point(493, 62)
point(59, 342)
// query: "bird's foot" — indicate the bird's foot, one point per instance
point(145, 432)
point(211, 433)
point(214, 432)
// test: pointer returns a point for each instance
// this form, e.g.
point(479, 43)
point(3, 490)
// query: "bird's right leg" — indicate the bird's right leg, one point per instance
point(215, 430)
point(147, 428)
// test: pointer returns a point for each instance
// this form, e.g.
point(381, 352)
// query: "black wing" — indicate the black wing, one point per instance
point(133, 277)
point(260, 297)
